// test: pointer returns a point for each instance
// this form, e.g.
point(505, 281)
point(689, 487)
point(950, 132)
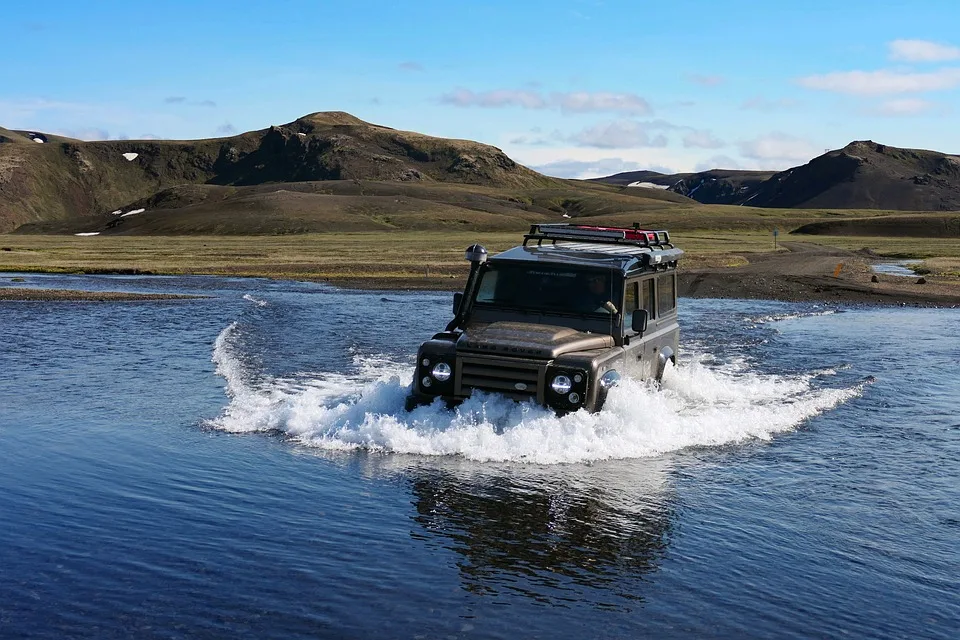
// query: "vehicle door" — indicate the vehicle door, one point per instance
point(641, 352)
point(666, 337)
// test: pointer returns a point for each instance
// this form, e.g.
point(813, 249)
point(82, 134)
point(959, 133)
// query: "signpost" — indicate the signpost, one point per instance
point(776, 232)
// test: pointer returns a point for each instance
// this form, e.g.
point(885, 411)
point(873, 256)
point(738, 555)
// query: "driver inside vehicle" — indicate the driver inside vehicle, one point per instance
point(596, 297)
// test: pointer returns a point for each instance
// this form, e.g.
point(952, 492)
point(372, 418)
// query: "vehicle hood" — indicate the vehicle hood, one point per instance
point(530, 340)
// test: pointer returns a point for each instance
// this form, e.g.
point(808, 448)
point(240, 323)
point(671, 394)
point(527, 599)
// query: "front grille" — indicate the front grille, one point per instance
point(501, 374)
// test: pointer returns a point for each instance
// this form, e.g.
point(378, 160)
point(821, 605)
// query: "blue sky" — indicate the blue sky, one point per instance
point(574, 88)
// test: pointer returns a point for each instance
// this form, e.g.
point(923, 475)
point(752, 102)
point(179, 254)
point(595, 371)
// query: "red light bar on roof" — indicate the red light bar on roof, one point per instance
point(626, 234)
point(631, 235)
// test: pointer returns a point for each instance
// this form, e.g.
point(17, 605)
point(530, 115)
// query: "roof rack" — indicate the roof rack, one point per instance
point(633, 236)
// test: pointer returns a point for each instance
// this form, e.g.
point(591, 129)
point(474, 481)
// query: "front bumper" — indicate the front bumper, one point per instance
point(520, 379)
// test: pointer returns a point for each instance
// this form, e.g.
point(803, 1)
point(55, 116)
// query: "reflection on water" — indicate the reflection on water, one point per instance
point(552, 534)
point(542, 537)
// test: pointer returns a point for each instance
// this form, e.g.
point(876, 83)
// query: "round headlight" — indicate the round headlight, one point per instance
point(609, 379)
point(441, 372)
point(426, 382)
point(561, 384)
point(574, 398)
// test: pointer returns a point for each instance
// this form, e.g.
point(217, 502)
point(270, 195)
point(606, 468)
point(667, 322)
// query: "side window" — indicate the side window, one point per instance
point(630, 303)
point(488, 287)
point(647, 297)
point(667, 293)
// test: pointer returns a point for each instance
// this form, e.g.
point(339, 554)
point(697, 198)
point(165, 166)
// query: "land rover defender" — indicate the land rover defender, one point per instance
point(558, 320)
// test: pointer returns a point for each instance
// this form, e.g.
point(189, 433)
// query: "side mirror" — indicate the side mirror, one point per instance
point(639, 322)
point(457, 302)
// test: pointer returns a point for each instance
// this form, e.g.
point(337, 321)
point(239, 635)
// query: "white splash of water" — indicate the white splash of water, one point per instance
point(697, 405)
point(250, 298)
point(779, 317)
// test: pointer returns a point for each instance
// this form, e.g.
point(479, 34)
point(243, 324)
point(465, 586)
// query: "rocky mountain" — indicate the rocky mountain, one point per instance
point(47, 178)
point(862, 175)
point(716, 186)
point(627, 178)
point(323, 172)
point(867, 175)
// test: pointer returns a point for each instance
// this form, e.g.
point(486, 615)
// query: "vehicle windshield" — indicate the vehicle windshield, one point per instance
point(548, 288)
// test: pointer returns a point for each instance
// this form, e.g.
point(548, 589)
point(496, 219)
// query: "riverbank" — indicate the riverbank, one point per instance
point(56, 295)
point(807, 272)
point(719, 264)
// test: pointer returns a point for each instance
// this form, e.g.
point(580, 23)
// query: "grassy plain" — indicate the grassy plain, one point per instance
point(421, 259)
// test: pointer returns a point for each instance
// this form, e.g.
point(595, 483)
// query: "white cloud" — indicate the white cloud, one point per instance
point(90, 134)
point(536, 141)
point(88, 121)
point(719, 162)
point(13, 110)
point(620, 134)
point(759, 103)
point(95, 134)
point(495, 99)
point(904, 107)
point(884, 81)
point(575, 102)
point(664, 159)
point(778, 150)
point(702, 140)
point(922, 51)
point(585, 169)
point(183, 100)
point(582, 102)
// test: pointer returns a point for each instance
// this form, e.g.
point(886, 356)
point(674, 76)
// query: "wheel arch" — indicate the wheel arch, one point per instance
point(666, 354)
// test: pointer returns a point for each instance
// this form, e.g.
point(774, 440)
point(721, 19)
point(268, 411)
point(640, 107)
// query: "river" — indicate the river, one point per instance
point(242, 466)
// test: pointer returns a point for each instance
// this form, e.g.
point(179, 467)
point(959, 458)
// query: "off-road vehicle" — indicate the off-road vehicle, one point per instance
point(557, 320)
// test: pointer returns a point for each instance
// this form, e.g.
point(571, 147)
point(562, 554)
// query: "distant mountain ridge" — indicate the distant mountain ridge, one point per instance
point(862, 175)
point(47, 178)
point(327, 171)
point(716, 186)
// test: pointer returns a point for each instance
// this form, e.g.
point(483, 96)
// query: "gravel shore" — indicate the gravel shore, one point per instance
point(814, 273)
point(49, 295)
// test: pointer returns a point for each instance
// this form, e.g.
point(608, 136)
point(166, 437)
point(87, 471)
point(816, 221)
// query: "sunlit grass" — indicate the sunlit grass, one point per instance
point(413, 258)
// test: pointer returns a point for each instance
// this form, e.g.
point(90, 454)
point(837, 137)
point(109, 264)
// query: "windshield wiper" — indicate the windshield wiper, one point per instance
point(586, 315)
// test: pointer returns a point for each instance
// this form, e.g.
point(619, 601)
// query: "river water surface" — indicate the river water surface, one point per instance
point(242, 466)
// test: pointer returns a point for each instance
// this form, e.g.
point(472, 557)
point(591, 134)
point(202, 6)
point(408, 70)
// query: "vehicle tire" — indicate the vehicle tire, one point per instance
point(412, 402)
